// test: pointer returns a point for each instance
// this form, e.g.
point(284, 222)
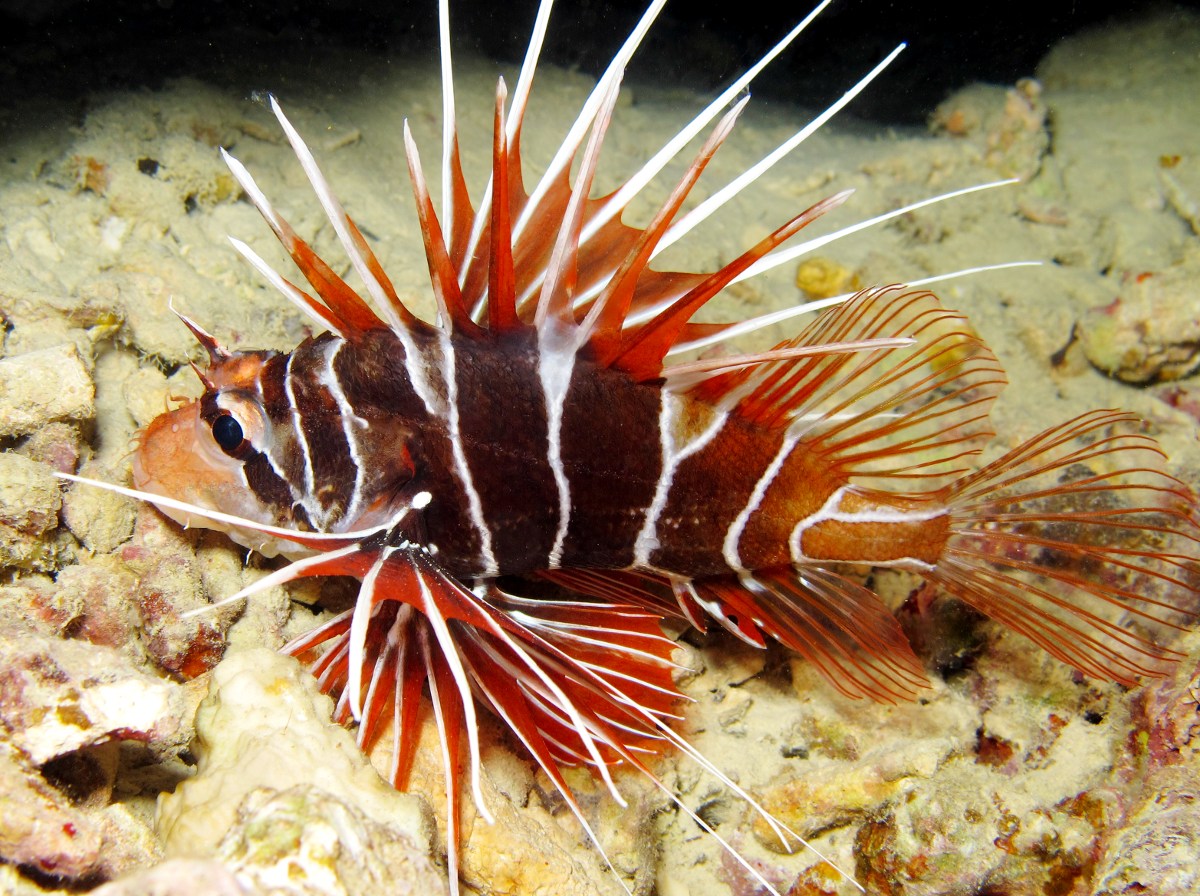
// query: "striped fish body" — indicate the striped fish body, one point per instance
point(638, 478)
point(550, 434)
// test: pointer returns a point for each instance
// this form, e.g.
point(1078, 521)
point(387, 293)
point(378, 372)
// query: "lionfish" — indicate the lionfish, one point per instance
point(529, 485)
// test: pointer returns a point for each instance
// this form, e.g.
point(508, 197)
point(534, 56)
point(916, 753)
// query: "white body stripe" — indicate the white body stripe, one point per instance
point(414, 366)
point(309, 497)
point(351, 425)
point(734, 533)
point(829, 512)
point(270, 448)
point(461, 467)
point(672, 456)
point(555, 366)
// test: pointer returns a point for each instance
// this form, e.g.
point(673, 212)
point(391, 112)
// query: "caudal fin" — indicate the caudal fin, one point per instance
point(1079, 541)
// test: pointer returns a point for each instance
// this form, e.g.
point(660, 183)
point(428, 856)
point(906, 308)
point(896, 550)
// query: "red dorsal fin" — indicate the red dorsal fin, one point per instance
point(333, 290)
point(381, 277)
point(602, 327)
point(457, 213)
point(642, 350)
point(442, 273)
point(460, 214)
point(351, 313)
point(352, 242)
point(895, 415)
point(502, 284)
point(556, 301)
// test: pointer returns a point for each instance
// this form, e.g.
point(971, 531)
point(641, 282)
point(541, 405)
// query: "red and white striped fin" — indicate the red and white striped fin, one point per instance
point(838, 625)
point(456, 202)
point(340, 301)
point(705, 336)
point(843, 628)
point(606, 314)
point(608, 212)
point(643, 349)
point(554, 303)
point(319, 311)
point(618, 586)
point(1079, 541)
point(555, 253)
point(502, 281)
point(577, 682)
point(453, 314)
point(681, 377)
point(362, 259)
point(791, 253)
point(548, 669)
point(556, 178)
point(910, 413)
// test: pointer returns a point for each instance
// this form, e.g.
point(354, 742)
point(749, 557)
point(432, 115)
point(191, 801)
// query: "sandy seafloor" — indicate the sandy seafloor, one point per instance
point(1012, 776)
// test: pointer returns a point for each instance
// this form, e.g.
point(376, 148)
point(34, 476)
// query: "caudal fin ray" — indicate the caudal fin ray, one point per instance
point(1055, 620)
point(1080, 541)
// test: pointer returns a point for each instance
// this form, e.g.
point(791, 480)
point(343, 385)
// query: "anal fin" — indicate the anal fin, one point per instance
point(838, 625)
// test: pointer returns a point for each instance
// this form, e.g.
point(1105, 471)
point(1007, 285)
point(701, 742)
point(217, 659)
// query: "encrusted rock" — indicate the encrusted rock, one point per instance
point(1169, 713)
point(41, 829)
point(64, 708)
point(29, 496)
point(42, 386)
point(1008, 125)
point(845, 779)
point(58, 445)
point(179, 877)
point(1155, 852)
point(58, 697)
point(266, 726)
point(307, 842)
point(169, 584)
point(101, 519)
point(91, 601)
point(1150, 332)
point(1044, 824)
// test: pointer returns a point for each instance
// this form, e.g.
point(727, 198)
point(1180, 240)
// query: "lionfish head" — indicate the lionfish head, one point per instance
point(271, 443)
point(204, 452)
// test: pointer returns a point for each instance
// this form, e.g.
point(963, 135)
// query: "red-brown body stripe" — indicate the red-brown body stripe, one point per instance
point(693, 524)
point(321, 421)
point(879, 542)
point(799, 489)
point(502, 418)
point(403, 437)
point(612, 458)
point(445, 526)
point(270, 488)
point(288, 457)
point(374, 379)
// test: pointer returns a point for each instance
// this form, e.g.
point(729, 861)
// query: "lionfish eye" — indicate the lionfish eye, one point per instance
point(227, 433)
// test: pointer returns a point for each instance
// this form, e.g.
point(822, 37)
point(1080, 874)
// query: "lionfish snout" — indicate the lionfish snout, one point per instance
point(177, 458)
